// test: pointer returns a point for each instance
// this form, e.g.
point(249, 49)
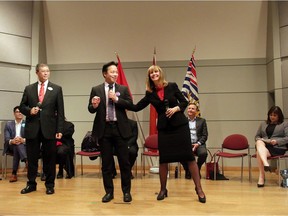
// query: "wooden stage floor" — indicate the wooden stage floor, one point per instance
point(82, 196)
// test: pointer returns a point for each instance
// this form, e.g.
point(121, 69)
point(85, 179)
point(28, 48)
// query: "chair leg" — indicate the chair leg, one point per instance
point(250, 167)
point(242, 170)
point(75, 167)
point(3, 161)
point(5, 166)
point(142, 171)
point(278, 168)
point(222, 163)
point(143, 165)
point(81, 165)
point(214, 170)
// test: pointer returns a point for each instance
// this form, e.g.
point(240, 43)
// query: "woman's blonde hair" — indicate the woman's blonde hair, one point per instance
point(150, 86)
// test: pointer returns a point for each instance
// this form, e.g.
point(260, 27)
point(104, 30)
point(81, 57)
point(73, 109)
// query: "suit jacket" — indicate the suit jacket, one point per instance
point(124, 99)
point(10, 133)
point(201, 130)
point(174, 97)
point(51, 116)
point(280, 134)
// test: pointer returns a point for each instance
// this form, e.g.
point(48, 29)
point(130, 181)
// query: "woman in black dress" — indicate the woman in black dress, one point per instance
point(174, 140)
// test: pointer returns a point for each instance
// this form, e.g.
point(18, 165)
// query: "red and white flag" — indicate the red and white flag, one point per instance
point(121, 75)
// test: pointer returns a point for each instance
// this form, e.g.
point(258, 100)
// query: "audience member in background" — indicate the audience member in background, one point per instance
point(174, 140)
point(271, 140)
point(15, 141)
point(65, 151)
point(109, 101)
point(199, 135)
point(132, 146)
point(43, 105)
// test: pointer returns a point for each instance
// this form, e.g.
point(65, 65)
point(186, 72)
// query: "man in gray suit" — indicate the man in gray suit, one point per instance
point(111, 126)
point(42, 104)
point(199, 136)
point(14, 141)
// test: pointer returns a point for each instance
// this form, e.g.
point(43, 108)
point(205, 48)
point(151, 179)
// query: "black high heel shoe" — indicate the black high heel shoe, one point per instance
point(162, 194)
point(201, 199)
point(267, 169)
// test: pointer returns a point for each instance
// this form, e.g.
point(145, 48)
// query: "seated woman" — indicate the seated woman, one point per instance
point(271, 140)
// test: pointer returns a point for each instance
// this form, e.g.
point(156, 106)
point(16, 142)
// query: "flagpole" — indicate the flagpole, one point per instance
point(194, 50)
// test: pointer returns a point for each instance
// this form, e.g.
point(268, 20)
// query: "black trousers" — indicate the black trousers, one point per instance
point(110, 141)
point(47, 147)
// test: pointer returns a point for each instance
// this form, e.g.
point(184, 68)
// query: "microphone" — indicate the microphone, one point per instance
point(39, 104)
point(110, 88)
point(166, 104)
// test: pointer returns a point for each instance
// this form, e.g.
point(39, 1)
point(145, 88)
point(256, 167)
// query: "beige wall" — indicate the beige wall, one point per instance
point(89, 32)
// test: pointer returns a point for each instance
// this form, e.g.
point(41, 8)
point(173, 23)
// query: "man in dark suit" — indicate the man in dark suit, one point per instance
point(42, 104)
point(15, 141)
point(111, 126)
point(199, 136)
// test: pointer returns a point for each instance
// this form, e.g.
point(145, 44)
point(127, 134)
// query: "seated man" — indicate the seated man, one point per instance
point(15, 141)
point(65, 151)
point(132, 146)
point(199, 135)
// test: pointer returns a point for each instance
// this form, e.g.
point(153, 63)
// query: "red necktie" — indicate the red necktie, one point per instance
point(41, 93)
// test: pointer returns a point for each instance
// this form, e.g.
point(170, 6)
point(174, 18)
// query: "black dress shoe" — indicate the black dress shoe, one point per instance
point(108, 197)
point(162, 194)
point(260, 185)
point(267, 169)
point(28, 189)
point(50, 190)
point(60, 175)
point(127, 197)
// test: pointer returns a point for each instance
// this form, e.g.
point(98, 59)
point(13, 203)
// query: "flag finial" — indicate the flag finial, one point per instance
point(194, 50)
